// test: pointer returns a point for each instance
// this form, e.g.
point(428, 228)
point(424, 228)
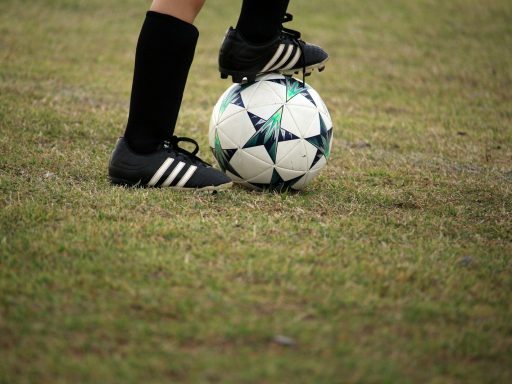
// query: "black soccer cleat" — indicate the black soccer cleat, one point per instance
point(286, 54)
point(170, 166)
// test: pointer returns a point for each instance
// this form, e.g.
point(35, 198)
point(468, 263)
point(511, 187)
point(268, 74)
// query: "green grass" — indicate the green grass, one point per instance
point(394, 266)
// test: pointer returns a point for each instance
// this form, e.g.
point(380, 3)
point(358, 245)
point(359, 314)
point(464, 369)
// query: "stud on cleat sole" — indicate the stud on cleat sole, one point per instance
point(238, 77)
point(241, 79)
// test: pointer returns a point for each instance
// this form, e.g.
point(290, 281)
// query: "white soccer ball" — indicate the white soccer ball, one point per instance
point(274, 133)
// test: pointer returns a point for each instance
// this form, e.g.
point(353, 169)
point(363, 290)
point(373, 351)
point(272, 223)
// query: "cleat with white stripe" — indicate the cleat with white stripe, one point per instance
point(286, 54)
point(170, 166)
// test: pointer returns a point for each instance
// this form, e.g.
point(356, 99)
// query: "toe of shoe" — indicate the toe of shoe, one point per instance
point(206, 177)
point(316, 54)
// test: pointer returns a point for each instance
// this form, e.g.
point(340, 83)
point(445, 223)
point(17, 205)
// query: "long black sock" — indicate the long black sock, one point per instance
point(165, 50)
point(260, 20)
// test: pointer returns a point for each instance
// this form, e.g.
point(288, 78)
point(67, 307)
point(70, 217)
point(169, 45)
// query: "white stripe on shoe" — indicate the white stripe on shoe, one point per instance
point(173, 174)
point(159, 173)
point(187, 176)
point(274, 58)
point(294, 60)
point(283, 60)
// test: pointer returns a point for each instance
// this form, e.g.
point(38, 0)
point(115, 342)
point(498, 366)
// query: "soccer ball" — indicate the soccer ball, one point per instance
point(274, 133)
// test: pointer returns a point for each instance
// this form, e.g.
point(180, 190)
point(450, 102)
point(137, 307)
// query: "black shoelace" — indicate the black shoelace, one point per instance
point(172, 145)
point(295, 36)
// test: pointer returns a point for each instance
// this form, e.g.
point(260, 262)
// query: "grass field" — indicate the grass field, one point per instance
point(394, 266)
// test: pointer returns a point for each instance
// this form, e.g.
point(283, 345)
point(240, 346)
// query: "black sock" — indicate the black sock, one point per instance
point(165, 50)
point(260, 20)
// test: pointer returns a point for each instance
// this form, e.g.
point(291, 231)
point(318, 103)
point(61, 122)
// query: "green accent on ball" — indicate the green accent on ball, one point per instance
point(322, 141)
point(228, 100)
point(223, 156)
point(326, 138)
point(268, 134)
point(293, 88)
point(233, 97)
point(219, 153)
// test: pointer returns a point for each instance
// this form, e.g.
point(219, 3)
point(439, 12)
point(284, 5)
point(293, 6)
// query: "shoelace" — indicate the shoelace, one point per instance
point(295, 36)
point(172, 145)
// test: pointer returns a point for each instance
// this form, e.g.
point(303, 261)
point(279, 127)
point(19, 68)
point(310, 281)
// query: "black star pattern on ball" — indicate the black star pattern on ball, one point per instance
point(269, 133)
point(277, 183)
point(322, 141)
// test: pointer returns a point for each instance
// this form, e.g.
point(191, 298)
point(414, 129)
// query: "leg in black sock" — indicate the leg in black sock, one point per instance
point(260, 20)
point(165, 50)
